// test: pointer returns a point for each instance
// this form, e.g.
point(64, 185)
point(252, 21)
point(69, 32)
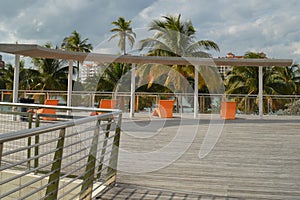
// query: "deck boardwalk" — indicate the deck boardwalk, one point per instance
point(252, 159)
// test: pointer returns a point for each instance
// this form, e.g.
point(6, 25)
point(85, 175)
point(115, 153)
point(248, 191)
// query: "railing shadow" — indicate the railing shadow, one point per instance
point(130, 191)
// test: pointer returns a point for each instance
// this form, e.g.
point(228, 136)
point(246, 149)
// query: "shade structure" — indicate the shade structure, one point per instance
point(33, 50)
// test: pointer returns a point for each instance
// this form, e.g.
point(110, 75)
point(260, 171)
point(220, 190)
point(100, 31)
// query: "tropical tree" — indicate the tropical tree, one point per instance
point(7, 76)
point(28, 78)
point(276, 81)
point(287, 79)
point(173, 37)
point(109, 78)
point(53, 73)
point(124, 31)
point(74, 42)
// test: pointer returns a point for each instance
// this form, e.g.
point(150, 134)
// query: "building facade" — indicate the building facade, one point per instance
point(89, 70)
point(224, 69)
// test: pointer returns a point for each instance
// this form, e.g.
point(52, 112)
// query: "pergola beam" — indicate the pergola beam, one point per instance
point(43, 52)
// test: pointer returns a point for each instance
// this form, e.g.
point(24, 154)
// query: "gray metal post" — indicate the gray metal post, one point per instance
point(260, 91)
point(196, 92)
point(70, 80)
point(132, 91)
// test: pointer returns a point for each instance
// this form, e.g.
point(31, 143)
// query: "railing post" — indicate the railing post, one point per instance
point(103, 151)
point(1, 150)
point(88, 179)
point(29, 140)
point(181, 104)
point(37, 140)
point(52, 189)
point(113, 161)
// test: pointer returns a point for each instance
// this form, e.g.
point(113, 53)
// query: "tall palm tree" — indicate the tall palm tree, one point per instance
point(75, 43)
point(177, 38)
point(53, 73)
point(124, 31)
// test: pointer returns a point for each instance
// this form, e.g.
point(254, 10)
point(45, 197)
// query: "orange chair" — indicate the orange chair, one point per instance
point(106, 104)
point(53, 102)
point(165, 109)
point(228, 110)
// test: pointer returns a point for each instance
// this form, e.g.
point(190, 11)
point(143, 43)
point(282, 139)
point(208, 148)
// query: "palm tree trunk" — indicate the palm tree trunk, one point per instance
point(124, 42)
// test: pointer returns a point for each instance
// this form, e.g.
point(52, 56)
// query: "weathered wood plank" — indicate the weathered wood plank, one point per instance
point(252, 159)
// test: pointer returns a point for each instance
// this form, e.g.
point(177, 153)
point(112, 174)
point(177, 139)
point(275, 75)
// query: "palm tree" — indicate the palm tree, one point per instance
point(108, 80)
point(174, 38)
point(28, 78)
point(287, 79)
point(124, 31)
point(244, 80)
point(75, 43)
point(53, 73)
point(7, 75)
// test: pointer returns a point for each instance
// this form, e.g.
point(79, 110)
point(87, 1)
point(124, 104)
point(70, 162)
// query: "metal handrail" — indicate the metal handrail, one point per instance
point(84, 165)
point(65, 108)
point(40, 130)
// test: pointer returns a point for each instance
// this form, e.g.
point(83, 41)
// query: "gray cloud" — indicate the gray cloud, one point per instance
point(237, 26)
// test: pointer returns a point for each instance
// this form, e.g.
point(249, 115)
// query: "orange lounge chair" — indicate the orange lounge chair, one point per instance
point(53, 102)
point(106, 104)
point(165, 109)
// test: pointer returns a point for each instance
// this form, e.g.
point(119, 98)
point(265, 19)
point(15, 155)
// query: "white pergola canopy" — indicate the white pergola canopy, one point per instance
point(36, 51)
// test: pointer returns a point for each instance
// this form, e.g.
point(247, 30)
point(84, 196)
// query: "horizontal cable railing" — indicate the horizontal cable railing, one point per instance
point(72, 157)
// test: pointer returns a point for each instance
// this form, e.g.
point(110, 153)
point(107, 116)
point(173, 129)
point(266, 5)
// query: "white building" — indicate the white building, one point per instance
point(89, 70)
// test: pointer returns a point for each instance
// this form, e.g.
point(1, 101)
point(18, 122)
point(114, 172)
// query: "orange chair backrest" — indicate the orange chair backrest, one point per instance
point(166, 104)
point(53, 102)
point(107, 103)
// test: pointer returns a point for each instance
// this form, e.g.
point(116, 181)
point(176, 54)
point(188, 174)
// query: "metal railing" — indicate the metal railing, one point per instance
point(72, 158)
point(207, 103)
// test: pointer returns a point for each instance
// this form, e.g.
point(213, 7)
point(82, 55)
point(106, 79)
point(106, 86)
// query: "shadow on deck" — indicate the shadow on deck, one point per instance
point(129, 191)
point(251, 159)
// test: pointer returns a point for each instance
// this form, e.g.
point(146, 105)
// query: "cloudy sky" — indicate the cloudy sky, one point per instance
point(237, 26)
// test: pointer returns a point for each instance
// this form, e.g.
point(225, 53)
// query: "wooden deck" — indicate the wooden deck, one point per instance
point(252, 159)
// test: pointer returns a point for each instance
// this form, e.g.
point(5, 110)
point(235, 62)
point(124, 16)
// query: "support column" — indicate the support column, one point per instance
point(260, 91)
point(196, 92)
point(132, 91)
point(70, 81)
point(16, 84)
point(16, 79)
